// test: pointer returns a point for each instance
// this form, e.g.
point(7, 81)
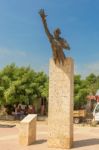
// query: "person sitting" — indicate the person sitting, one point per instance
point(18, 112)
point(31, 109)
point(26, 110)
point(23, 106)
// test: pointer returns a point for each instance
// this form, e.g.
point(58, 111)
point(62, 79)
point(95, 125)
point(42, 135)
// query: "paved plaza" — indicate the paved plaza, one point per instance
point(85, 138)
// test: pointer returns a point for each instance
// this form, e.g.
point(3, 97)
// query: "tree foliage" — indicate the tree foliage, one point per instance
point(83, 87)
point(22, 84)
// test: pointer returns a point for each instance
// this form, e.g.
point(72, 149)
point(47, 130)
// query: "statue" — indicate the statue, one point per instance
point(57, 43)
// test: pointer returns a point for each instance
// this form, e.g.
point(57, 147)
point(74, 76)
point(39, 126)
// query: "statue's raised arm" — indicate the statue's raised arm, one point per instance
point(57, 43)
point(43, 16)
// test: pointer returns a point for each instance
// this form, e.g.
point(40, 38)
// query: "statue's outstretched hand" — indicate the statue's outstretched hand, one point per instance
point(42, 14)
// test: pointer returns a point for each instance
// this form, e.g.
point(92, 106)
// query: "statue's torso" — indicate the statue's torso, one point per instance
point(56, 44)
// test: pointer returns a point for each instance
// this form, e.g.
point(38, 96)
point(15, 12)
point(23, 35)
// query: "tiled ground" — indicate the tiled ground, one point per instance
point(85, 138)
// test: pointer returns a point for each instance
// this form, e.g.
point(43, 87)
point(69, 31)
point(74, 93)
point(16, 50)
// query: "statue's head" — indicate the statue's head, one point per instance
point(57, 32)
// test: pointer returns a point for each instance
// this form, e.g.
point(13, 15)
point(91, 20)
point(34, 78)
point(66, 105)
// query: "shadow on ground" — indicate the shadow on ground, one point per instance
point(40, 141)
point(6, 126)
point(86, 142)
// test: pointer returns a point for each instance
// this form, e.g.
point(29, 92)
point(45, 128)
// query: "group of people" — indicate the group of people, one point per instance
point(21, 110)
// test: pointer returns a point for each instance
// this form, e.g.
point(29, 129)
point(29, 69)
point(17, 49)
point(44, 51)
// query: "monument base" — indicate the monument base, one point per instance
point(60, 111)
point(27, 130)
point(64, 143)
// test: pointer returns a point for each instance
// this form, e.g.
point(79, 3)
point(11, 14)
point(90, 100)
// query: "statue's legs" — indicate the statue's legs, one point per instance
point(55, 56)
point(61, 56)
point(58, 56)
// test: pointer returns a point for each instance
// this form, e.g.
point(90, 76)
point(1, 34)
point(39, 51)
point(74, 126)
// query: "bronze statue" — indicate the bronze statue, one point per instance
point(57, 43)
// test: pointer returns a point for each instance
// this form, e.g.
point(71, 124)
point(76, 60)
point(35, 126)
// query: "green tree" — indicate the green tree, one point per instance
point(80, 92)
point(22, 84)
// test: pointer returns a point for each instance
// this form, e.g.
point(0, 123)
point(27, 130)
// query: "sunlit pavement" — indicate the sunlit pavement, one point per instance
point(85, 138)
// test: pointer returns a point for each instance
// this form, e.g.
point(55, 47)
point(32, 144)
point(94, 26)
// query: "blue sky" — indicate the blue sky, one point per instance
point(23, 40)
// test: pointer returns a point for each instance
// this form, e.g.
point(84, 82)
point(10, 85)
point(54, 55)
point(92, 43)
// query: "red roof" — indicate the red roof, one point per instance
point(91, 97)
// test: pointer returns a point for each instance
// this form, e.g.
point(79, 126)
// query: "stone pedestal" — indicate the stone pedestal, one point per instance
point(27, 130)
point(60, 111)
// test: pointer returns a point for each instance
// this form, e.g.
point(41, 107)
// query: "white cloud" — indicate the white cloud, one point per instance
point(93, 67)
point(3, 51)
point(86, 69)
point(10, 52)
